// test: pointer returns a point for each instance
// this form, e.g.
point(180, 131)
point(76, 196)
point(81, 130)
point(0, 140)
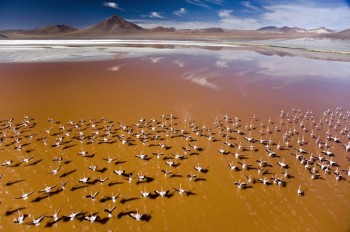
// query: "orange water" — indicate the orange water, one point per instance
point(198, 91)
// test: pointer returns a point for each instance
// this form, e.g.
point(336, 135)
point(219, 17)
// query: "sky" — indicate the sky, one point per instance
point(181, 14)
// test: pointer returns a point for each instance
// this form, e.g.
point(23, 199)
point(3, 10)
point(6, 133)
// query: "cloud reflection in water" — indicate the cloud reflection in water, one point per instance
point(201, 77)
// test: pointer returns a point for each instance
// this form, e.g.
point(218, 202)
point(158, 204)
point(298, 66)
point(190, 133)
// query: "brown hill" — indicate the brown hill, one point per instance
point(340, 35)
point(113, 25)
point(282, 29)
point(212, 30)
point(52, 29)
point(3, 36)
point(162, 29)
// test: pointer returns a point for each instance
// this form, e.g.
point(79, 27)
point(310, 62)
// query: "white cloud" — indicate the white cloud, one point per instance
point(175, 24)
point(112, 5)
point(205, 3)
point(247, 4)
point(240, 23)
point(304, 16)
point(155, 14)
point(307, 16)
point(198, 3)
point(180, 12)
point(224, 13)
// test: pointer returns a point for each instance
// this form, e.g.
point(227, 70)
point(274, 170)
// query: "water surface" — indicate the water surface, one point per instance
point(196, 84)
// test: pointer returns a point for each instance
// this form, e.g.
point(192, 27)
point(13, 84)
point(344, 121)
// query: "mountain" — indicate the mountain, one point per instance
point(212, 30)
point(52, 29)
point(268, 28)
point(285, 29)
point(292, 29)
point(162, 29)
point(340, 35)
point(321, 30)
point(114, 24)
point(3, 36)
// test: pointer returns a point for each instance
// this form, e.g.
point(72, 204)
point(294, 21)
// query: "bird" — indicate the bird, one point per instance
point(347, 171)
point(262, 163)
point(82, 152)
point(161, 192)
point(264, 181)
point(108, 159)
point(347, 147)
point(191, 176)
point(180, 190)
point(24, 196)
point(57, 159)
point(93, 167)
point(114, 197)
point(55, 171)
point(84, 179)
point(250, 179)
point(237, 155)
point(141, 177)
point(271, 153)
point(299, 191)
point(102, 180)
point(328, 152)
point(157, 154)
point(55, 215)
point(63, 185)
point(20, 219)
point(282, 164)
point(119, 172)
point(92, 218)
point(26, 159)
point(222, 151)
point(145, 193)
point(178, 156)
point(7, 163)
point(141, 156)
point(36, 221)
point(338, 177)
point(130, 178)
point(170, 163)
point(137, 216)
point(47, 189)
point(241, 185)
point(300, 150)
point(110, 210)
point(92, 196)
point(199, 168)
point(166, 172)
point(233, 167)
point(195, 147)
point(73, 215)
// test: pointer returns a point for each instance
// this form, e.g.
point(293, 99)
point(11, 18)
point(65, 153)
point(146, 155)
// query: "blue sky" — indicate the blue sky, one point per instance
point(193, 14)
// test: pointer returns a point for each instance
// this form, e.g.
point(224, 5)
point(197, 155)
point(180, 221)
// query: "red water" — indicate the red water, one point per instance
point(197, 91)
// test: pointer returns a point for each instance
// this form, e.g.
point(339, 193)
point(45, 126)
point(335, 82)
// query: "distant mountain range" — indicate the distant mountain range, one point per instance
point(52, 29)
point(285, 29)
point(116, 26)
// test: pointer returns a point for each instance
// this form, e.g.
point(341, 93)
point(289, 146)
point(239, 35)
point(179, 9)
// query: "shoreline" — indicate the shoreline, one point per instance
point(302, 49)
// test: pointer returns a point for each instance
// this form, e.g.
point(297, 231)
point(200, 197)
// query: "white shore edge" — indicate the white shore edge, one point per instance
point(12, 50)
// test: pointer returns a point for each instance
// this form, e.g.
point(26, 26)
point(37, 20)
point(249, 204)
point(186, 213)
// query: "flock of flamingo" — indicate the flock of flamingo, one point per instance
point(83, 157)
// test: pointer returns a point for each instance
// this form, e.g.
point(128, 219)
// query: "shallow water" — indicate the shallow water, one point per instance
point(204, 88)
